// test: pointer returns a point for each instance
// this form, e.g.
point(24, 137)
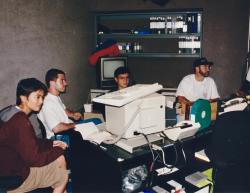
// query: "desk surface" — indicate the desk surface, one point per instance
point(116, 152)
point(102, 168)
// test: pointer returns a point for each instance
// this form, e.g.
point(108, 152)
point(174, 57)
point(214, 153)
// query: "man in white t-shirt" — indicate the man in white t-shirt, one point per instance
point(54, 115)
point(198, 85)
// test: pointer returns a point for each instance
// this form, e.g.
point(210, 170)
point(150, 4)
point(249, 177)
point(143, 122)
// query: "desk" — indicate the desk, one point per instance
point(96, 168)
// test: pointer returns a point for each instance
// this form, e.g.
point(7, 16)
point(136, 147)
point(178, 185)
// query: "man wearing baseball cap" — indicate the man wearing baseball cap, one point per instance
point(198, 85)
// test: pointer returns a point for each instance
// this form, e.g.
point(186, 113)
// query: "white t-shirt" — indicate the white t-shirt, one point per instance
point(52, 113)
point(193, 90)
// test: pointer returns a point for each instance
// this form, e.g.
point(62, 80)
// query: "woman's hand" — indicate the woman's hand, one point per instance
point(60, 144)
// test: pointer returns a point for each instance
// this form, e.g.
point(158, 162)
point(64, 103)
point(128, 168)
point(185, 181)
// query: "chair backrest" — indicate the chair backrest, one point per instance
point(230, 140)
point(43, 130)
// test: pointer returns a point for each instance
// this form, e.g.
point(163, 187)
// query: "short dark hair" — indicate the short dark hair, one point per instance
point(121, 70)
point(52, 75)
point(26, 86)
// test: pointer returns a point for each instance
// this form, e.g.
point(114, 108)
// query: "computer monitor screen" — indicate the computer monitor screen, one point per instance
point(109, 67)
point(106, 68)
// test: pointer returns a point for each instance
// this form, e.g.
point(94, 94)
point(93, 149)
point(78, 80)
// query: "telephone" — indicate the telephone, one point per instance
point(186, 124)
point(182, 130)
point(235, 104)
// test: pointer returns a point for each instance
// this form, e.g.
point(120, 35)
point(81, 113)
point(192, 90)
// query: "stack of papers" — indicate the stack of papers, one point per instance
point(90, 132)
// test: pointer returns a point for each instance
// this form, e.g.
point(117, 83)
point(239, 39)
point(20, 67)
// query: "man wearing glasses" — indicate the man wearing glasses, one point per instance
point(198, 85)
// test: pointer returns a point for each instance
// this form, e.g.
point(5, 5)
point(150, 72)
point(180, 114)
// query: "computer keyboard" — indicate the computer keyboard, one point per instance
point(126, 95)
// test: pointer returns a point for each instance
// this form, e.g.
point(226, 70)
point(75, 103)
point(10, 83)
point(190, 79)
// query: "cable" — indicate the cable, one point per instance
point(113, 141)
point(151, 169)
point(149, 144)
point(183, 153)
point(164, 136)
point(154, 158)
point(176, 155)
point(156, 147)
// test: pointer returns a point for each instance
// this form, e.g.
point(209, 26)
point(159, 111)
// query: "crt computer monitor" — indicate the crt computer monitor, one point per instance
point(106, 68)
point(136, 108)
point(144, 115)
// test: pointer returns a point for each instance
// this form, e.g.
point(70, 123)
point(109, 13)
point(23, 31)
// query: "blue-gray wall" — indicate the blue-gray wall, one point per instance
point(36, 35)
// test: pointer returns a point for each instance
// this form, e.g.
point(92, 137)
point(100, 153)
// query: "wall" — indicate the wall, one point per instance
point(225, 33)
point(40, 34)
point(37, 35)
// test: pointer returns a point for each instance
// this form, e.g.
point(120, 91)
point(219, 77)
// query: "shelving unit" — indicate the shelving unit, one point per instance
point(152, 34)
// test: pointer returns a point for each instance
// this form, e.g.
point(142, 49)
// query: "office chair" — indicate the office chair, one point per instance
point(228, 149)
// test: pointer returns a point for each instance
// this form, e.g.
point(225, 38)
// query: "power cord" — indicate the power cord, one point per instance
point(176, 155)
point(113, 141)
point(175, 150)
point(154, 158)
point(156, 147)
point(149, 144)
point(183, 153)
point(151, 170)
